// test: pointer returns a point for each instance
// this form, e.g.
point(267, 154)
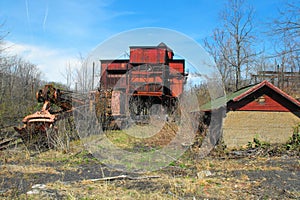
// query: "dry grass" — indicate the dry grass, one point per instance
point(169, 188)
point(31, 169)
point(234, 164)
point(149, 136)
point(106, 190)
point(245, 178)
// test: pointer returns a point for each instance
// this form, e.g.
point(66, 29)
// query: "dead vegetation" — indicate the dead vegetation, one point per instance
point(146, 140)
point(260, 171)
point(78, 175)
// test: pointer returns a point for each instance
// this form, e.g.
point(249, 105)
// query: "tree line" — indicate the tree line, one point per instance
point(19, 80)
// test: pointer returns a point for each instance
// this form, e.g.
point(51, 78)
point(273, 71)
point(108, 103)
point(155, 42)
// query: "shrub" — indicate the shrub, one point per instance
point(294, 141)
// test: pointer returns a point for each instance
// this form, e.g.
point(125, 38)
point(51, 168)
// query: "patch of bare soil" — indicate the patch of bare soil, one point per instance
point(277, 177)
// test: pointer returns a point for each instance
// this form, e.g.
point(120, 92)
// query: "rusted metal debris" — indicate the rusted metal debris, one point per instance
point(36, 124)
point(43, 119)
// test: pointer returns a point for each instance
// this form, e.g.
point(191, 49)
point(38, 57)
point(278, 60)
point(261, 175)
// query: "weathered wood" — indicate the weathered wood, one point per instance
point(122, 177)
point(114, 178)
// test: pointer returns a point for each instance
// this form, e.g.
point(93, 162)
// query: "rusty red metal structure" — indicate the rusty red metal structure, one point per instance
point(150, 76)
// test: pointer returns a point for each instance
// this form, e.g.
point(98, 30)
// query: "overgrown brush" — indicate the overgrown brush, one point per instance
point(60, 136)
point(294, 141)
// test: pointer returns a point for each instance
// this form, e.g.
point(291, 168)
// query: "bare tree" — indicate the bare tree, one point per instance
point(19, 80)
point(232, 44)
point(218, 52)
point(3, 34)
point(288, 24)
point(69, 76)
point(287, 31)
point(285, 34)
point(84, 76)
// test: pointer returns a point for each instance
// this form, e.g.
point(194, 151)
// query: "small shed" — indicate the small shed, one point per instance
point(260, 111)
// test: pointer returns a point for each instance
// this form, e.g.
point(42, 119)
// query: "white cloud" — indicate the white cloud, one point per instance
point(51, 62)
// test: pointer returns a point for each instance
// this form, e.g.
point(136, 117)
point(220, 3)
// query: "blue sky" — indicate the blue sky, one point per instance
point(52, 33)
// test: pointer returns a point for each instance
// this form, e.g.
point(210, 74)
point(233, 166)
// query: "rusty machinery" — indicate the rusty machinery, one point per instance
point(56, 104)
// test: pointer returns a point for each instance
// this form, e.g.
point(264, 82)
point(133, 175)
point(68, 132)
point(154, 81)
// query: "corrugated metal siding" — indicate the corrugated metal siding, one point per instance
point(151, 55)
point(177, 66)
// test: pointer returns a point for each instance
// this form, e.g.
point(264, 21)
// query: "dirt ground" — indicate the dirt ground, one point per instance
point(77, 175)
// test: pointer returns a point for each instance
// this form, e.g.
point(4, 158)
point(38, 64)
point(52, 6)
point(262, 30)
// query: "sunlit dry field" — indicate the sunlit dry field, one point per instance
point(77, 174)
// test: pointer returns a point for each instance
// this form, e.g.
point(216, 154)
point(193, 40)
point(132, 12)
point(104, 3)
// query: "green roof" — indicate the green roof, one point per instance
point(219, 102)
